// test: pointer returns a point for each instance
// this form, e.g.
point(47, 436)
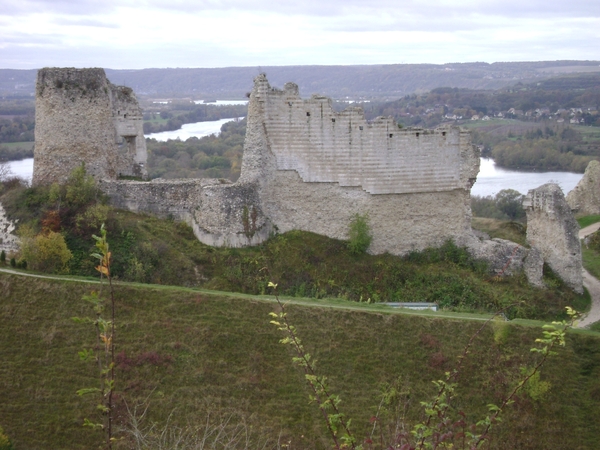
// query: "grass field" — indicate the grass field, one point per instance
point(512, 231)
point(13, 145)
point(193, 353)
point(585, 221)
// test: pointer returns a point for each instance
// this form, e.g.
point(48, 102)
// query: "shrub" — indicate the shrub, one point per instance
point(80, 188)
point(46, 252)
point(359, 234)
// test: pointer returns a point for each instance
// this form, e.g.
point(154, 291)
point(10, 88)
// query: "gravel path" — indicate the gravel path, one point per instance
point(592, 285)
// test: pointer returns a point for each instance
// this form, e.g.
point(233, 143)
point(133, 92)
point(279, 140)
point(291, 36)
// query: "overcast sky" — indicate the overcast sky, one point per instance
point(128, 34)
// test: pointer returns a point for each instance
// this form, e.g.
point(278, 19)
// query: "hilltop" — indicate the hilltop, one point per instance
point(372, 81)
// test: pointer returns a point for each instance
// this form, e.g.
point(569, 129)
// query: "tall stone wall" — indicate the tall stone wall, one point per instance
point(585, 197)
point(316, 168)
point(307, 167)
point(82, 118)
point(554, 232)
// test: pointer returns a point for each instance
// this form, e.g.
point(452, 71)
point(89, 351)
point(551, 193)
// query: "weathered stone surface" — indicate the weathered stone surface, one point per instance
point(307, 167)
point(552, 229)
point(503, 257)
point(585, 197)
point(9, 242)
point(316, 168)
point(220, 213)
point(82, 118)
point(533, 266)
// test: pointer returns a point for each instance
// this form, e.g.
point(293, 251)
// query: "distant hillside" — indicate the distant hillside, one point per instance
point(373, 81)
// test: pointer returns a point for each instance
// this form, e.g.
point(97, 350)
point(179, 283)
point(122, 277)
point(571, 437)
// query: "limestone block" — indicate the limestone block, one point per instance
point(585, 197)
point(552, 229)
point(534, 267)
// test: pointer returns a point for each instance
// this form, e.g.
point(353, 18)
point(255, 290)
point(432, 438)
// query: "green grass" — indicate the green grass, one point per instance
point(591, 261)
point(502, 229)
point(13, 145)
point(147, 249)
point(195, 352)
point(475, 124)
point(591, 134)
point(588, 220)
point(157, 120)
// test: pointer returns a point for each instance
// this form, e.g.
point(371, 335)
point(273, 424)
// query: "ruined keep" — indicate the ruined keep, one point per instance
point(82, 117)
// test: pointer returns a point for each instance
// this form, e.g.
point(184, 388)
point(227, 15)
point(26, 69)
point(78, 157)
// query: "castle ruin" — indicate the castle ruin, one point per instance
point(305, 167)
point(80, 117)
point(308, 167)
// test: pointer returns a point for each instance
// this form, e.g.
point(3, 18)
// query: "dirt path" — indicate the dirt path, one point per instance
point(592, 285)
point(589, 230)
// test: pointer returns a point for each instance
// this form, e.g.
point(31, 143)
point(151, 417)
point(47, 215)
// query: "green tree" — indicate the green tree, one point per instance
point(510, 202)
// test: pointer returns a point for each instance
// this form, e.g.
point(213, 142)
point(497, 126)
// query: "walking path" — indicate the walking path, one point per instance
point(591, 284)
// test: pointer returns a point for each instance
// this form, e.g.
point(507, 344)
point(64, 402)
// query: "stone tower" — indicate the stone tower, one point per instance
point(80, 118)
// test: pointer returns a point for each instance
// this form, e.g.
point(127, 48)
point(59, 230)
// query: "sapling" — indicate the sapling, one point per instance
point(104, 352)
point(439, 429)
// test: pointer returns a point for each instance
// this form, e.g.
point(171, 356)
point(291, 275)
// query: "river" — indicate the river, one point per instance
point(491, 179)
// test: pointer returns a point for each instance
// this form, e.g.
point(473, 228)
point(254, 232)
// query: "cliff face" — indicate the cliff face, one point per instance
point(82, 118)
point(585, 197)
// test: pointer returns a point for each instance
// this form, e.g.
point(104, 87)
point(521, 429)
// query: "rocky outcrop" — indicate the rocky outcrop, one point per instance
point(585, 197)
point(554, 232)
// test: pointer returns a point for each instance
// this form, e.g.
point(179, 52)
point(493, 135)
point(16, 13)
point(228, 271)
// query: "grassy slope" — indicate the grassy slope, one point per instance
point(194, 352)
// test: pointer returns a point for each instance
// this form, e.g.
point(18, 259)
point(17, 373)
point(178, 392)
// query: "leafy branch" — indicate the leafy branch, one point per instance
point(328, 403)
point(104, 356)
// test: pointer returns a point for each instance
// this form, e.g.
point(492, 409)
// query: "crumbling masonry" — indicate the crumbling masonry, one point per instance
point(305, 167)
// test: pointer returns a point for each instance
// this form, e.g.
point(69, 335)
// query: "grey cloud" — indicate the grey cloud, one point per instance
point(328, 8)
point(84, 23)
point(67, 7)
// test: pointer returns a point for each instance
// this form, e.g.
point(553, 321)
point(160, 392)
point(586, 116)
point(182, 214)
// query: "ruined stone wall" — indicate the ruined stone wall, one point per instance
point(554, 232)
point(82, 118)
point(585, 197)
point(317, 168)
point(221, 214)
point(306, 167)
